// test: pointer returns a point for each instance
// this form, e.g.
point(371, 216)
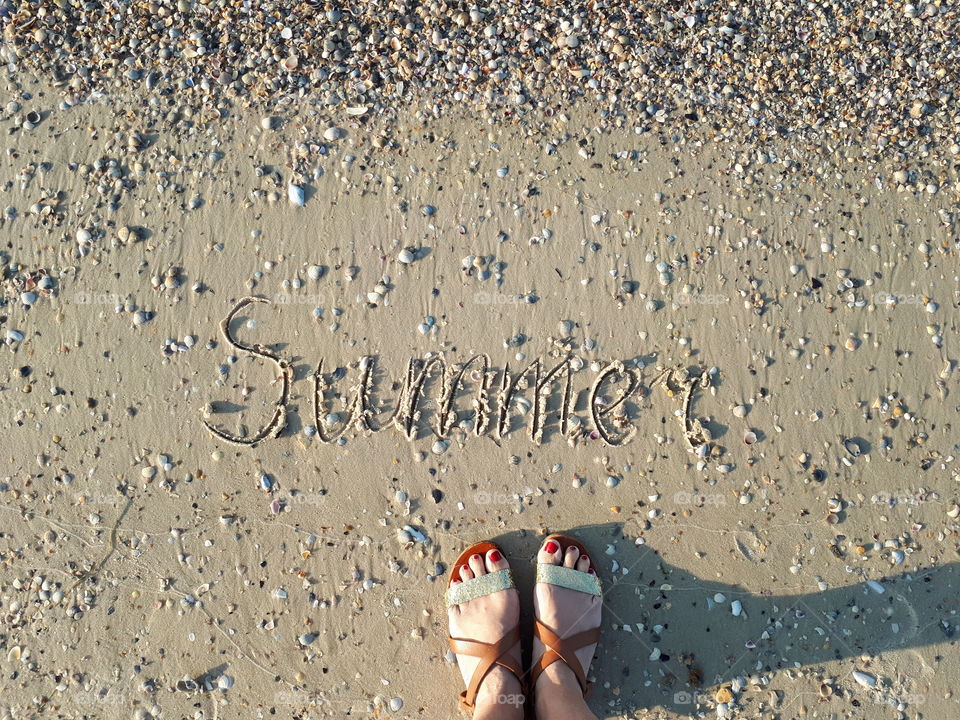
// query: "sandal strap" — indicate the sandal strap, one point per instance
point(564, 649)
point(477, 587)
point(569, 578)
point(490, 654)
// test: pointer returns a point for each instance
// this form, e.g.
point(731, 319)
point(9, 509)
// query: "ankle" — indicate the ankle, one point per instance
point(557, 687)
point(500, 695)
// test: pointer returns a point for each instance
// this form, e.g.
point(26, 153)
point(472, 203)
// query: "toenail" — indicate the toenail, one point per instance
point(495, 556)
point(584, 557)
point(476, 557)
point(456, 581)
point(551, 547)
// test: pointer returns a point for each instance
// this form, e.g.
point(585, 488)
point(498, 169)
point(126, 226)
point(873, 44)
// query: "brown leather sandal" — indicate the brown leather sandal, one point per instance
point(490, 654)
point(565, 649)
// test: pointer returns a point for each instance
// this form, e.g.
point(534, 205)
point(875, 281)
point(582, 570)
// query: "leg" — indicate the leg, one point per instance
point(558, 694)
point(488, 619)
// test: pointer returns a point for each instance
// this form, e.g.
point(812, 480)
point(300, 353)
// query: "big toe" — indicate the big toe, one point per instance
point(496, 561)
point(549, 553)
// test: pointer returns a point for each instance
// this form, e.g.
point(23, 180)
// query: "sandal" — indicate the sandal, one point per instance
point(490, 654)
point(565, 649)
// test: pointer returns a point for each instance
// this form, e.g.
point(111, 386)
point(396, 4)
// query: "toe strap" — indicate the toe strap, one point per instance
point(569, 578)
point(564, 649)
point(477, 587)
point(490, 654)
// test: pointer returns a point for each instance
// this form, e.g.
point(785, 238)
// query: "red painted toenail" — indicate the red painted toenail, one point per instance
point(476, 557)
point(551, 547)
point(495, 556)
point(455, 581)
point(584, 557)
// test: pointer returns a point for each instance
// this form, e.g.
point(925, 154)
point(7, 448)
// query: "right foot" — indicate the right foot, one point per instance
point(566, 612)
point(487, 619)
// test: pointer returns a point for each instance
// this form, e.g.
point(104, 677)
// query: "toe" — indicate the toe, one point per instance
point(496, 561)
point(477, 566)
point(549, 553)
point(583, 563)
point(570, 557)
point(466, 573)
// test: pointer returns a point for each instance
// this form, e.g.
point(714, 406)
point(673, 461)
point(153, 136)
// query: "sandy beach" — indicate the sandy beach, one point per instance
point(756, 439)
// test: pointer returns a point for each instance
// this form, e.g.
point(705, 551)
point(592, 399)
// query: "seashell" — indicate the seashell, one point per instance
point(953, 511)
point(865, 679)
point(749, 437)
point(876, 587)
point(852, 447)
point(834, 505)
point(724, 695)
point(826, 690)
point(440, 446)
point(414, 534)
point(83, 236)
point(315, 272)
point(296, 195)
point(332, 134)
point(407, 255)
point(740, 411)
point(142, 317)
point(290, 63)
point(357, 110)
point(225, 682)
point(736, 608)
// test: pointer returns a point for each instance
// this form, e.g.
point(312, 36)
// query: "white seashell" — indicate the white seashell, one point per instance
point(225, 682)
point(334, 133)
point(954, 511)
point(296, 195)
point(865, 679)
point(83, 236)
point(407, 255)
point(14, 336)
point(740, 411)
point(374, 297)
point(357, 110)
point(876, 587)
point(315, 272)
point(415, 534)
point(440, 447)
point(736, 607)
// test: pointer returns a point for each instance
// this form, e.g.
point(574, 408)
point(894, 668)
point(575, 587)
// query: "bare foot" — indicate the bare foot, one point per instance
point(566, 612)
point(487, 619)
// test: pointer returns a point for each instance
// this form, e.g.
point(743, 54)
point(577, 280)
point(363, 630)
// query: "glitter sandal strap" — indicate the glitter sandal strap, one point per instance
point(477, 587)
point(569, 578)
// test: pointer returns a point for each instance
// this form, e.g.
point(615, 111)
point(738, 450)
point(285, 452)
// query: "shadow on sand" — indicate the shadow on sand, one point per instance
point(701, 644)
